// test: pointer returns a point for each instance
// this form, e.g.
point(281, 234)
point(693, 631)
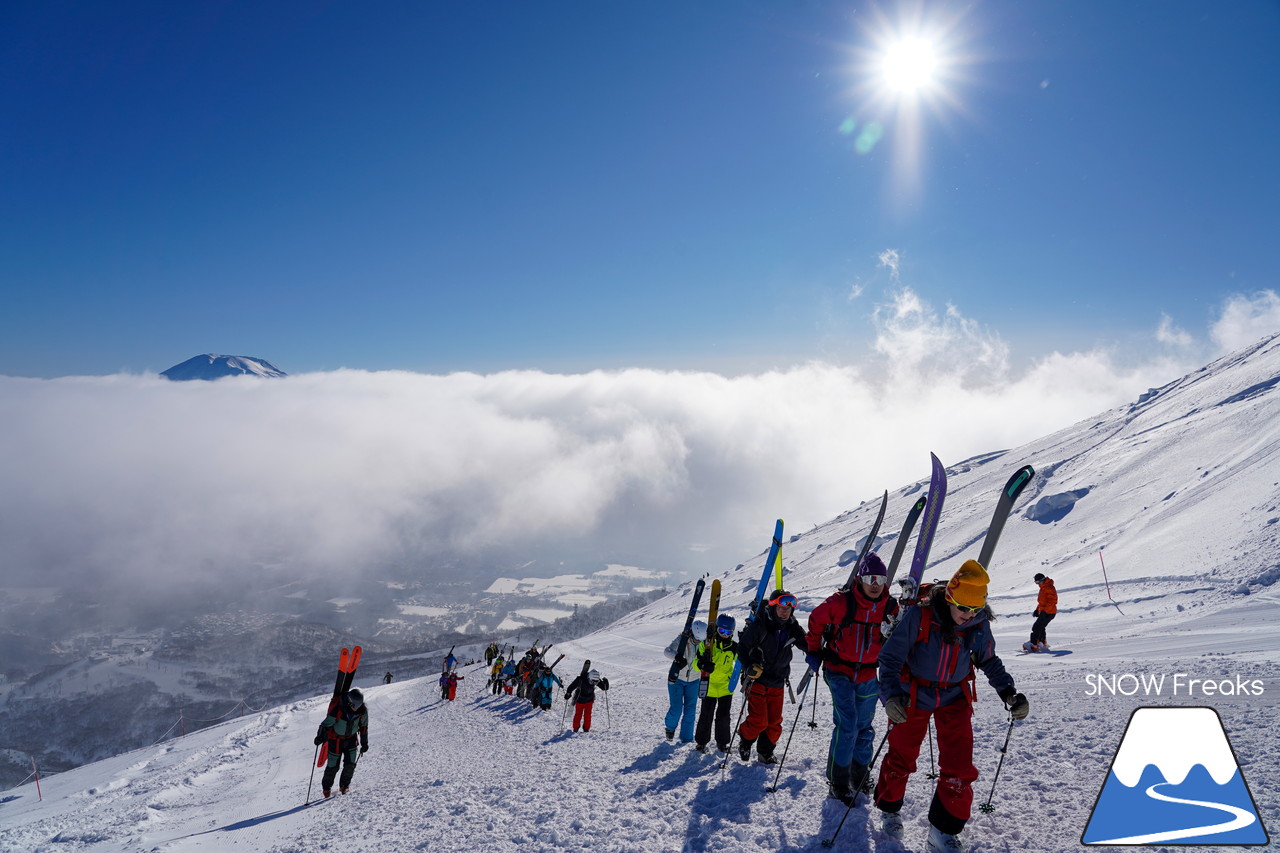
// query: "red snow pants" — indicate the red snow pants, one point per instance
point(954, 791)
point(764, 715)
point(582, 716)
point(453, 692)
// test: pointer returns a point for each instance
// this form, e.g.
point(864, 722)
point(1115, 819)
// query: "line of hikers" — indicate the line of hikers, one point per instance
point(917, 660)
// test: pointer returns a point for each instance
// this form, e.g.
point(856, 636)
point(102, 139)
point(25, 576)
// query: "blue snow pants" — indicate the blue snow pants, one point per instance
point(853, 707)
point(684, 708)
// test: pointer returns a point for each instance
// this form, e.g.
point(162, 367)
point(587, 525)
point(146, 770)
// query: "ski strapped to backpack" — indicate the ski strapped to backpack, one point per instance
point(348, 660)
point(713, 610)
point(868, 542)
point(900, 547)
point(682, 650)
point(848, 588)
point(773, 559)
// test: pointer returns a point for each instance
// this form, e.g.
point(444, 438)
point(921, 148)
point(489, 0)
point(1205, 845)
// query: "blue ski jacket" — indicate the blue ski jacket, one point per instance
point(931, 661)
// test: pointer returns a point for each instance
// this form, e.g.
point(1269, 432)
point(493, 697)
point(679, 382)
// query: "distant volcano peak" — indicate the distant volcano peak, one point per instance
point(213, 366)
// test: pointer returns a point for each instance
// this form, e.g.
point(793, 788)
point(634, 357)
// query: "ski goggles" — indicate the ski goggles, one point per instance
point(964, 608)
point(724, 631)
point(784, 601)
point(874, 580)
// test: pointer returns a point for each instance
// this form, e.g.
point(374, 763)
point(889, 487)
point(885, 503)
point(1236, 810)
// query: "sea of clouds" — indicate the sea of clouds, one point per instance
point(135, 479)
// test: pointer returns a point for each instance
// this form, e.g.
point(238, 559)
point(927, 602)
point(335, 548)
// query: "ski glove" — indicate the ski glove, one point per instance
point(1018, 706)
point(681, 661)
point(814, 661)
point(755, 672)
point(1035, 613)
point(896, 709)
point(364, 748)
point(319, 740)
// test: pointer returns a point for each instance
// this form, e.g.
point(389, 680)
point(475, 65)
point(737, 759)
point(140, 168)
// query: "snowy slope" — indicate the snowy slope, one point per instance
point(1182, 495)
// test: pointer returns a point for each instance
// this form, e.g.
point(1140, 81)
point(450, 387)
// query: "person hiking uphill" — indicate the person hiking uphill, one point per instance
point(927, 670)
point(347, 730)
point(582, 692)
point(765, 647)
point(845, 637)
point(717, 656)
point(683, 692)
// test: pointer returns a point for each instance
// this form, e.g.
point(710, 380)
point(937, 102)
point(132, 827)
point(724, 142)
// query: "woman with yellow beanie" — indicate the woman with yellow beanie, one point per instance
point(927, 671)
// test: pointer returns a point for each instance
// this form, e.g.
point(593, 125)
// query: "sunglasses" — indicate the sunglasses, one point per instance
point(874, 580)
point(784, 601)
point(963, 608)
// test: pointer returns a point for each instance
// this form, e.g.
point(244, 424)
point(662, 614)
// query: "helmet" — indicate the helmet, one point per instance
point(699, 630)
point(355, 698)
point(725, 625)
point(593, 676)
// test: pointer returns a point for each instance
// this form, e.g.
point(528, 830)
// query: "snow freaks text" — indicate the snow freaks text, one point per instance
point(1177, 684)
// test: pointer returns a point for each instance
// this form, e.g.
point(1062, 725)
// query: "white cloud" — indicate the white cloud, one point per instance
point(890, 260)
point(1244, 319)
point(131, 477)
point(1171, 334)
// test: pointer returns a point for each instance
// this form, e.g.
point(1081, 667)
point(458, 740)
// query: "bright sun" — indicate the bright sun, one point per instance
point(909, 66)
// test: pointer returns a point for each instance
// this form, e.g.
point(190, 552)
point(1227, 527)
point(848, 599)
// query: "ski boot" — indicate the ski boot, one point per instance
point(891, 825)
point(940, 842)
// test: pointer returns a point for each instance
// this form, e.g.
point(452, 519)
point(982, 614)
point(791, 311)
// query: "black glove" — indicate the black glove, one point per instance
point(604, 684)
point(681, 661)
point(319, 740)
point(364, 747)
point(755, 671)
point(1017, 705)
point(1035, 613)
point(706, 664)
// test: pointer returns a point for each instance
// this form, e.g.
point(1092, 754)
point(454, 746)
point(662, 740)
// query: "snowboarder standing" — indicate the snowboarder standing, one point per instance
point(582, 691)
point(717, 656)
point(845, 637)
point(927, 670)
point(1046, 609)
point(683, 692)
point(347, 730)
point(766, 646)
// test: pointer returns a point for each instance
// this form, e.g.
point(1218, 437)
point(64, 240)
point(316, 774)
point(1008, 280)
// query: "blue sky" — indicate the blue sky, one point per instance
point(568, 186)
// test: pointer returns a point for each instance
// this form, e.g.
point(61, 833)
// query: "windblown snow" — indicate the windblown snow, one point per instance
point(1166, 563)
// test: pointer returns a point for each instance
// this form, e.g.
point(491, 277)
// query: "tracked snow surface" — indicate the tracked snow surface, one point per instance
point(1179, 491)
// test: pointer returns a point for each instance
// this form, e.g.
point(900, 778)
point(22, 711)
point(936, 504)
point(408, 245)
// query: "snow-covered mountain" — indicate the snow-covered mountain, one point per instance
point(1178, 492)
point(213, 366)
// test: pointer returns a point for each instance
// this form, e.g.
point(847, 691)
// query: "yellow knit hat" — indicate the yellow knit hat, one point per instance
point(968, 586)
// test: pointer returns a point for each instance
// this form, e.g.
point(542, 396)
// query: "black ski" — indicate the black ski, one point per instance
point(682, 650)
point(1004, 506)
point(907, 527)
point(866, 546)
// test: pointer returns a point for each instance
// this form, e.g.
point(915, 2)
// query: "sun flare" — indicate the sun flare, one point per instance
point(910, 65)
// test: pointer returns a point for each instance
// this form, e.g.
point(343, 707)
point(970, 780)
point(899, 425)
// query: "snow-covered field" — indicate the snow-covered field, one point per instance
point(1183, 499)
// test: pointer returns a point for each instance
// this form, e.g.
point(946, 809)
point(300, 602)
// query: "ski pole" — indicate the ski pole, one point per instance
point(746, 690)
point(987, 808)
point(813, 710)
point(830, 842)
point(608, 717)
point(314, 760)
point(565, 714)
point(933, 767)
point(773, 789)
